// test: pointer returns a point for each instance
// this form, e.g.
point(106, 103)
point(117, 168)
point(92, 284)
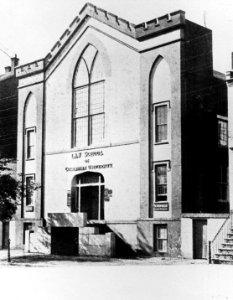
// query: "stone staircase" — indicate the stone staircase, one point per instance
point(94, 243)
point(73, 234)
point(222, 245)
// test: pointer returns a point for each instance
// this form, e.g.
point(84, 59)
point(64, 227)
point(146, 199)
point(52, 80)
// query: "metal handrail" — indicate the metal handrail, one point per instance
point(220, 236)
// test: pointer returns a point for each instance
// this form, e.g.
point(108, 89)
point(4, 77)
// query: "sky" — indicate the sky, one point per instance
point(29, 28)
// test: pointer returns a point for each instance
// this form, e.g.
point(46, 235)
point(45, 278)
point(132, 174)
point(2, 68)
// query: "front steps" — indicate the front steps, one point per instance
point(82, 241)
point(225, 252)
point(72, 231)
point(92, 243)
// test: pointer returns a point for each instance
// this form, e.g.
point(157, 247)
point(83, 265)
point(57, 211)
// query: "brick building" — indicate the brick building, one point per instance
point(123, 127)
point(8, 128)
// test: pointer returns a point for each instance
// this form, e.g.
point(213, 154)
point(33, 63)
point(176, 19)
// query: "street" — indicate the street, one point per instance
point(94, 280)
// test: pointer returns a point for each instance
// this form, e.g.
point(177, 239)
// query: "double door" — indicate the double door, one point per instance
point(88, 199)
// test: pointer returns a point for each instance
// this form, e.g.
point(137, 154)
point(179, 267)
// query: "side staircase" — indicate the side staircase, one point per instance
point(221, 248)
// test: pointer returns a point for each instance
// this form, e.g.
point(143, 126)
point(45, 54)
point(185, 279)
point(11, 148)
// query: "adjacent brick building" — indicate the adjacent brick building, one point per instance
point(8, 128)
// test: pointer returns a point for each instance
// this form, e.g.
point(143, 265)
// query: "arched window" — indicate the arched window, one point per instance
point(29, 127)
point(160, 87)
point(88, 100)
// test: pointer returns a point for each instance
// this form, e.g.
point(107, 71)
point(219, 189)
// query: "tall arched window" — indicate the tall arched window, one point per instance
point(88, 100)
point(29, 148)
point(161, 123)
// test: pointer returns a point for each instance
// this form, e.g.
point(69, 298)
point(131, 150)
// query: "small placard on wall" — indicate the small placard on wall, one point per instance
point(29, 208)
point(107, 194)
point(68, 198)
point(161, 206)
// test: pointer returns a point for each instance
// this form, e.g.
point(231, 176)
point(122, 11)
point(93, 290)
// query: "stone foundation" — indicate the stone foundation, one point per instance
point(97, 244)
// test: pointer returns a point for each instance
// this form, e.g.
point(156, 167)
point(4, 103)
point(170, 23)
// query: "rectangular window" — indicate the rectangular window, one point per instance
point(161, 123)
point(160, 238)
point(222, 133)
point(89, 114)
point(96, 113)
point(81, 103)
point(161, 182)
point(81, 127)
point(222, 183)
point(29, 188)
point(30, 143)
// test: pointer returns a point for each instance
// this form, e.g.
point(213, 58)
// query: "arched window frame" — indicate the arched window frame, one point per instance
point(94, 133)
point(85, 180)
point(160, 133)
point(28, 154)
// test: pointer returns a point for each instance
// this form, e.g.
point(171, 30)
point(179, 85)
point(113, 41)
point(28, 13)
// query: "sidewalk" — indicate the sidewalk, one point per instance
point(20, 258)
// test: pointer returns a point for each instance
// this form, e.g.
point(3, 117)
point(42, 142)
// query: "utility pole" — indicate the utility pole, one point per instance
point(9, 250)
point(204, 17)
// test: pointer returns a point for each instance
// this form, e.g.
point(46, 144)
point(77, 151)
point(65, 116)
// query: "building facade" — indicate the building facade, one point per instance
point(123, 128)
point(8, 130)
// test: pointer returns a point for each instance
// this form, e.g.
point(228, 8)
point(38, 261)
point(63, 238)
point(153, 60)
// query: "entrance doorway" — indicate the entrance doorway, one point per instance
point(64, 240)
point(199, 239)
point(87, 195)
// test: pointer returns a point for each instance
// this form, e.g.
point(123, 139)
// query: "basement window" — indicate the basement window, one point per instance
point(160, 238)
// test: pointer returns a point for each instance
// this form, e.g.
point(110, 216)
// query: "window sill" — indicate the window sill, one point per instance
point(29, 208)
point(88, 147)
point(29, 159)
point(161, 143)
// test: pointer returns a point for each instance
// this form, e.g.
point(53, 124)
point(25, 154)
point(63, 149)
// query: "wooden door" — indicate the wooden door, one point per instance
point(199, 239)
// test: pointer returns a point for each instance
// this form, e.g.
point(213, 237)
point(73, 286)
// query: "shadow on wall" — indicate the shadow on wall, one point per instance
point(122, 248)
point(144, 244)
point(40, 241)
point(67, 219)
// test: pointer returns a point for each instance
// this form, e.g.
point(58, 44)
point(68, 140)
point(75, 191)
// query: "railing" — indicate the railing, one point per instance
point(220, 236)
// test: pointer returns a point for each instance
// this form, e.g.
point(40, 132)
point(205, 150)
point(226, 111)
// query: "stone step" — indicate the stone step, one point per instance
point(224, 256)
point(226, 250)
point(230, 234)
point(97, 244)
point(222, 261)
point(227, 245)
point(89, 230)
point(229, 239)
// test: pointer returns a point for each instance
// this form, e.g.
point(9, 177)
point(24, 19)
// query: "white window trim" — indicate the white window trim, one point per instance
point(154, 106)
point(33, 194)
point(224, 119)
point(227, 186)
point(168, 164)
point(33, 128)
point(156, 226)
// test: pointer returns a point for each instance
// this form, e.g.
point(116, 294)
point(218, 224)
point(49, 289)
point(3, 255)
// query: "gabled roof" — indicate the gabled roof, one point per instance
point(139, 32)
